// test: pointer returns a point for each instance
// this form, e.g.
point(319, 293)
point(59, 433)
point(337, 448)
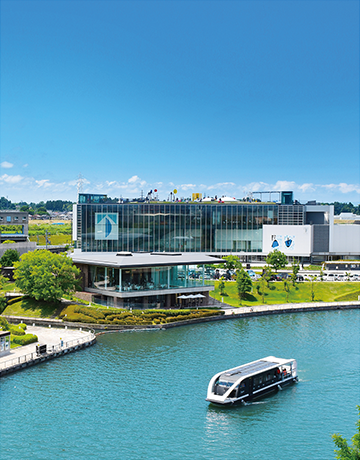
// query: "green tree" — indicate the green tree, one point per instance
point(277, 260)
point(312, 287)
point(266, 275)
point(346, 452)
point(43, 275)
point(243, 283)
point(232, 262)
point(9, 257)
point(41, 211)
point(295, 270)
point(222, 286)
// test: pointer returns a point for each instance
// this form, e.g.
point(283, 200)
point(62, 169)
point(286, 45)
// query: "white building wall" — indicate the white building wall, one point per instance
point(292, 240)
point(345, 239)
point(74, 227)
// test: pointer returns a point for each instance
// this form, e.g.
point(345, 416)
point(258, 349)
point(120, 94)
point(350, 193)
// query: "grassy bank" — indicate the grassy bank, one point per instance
point(301, 292)
point(83, 314)
point(25, 306)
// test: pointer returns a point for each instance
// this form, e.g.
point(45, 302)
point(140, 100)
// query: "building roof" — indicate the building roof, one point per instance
point(140, 259)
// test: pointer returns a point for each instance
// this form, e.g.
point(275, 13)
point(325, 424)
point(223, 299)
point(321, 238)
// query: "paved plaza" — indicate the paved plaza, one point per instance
point(46, 335)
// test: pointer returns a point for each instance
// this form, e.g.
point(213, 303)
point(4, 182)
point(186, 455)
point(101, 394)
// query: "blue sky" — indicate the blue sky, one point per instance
point(217, 97)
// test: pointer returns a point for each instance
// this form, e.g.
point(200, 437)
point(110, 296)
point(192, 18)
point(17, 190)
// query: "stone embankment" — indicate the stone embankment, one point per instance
point(66, 342)
point(230, 313)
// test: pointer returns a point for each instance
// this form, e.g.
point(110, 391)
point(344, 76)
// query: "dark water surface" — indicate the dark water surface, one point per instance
point(141, 395)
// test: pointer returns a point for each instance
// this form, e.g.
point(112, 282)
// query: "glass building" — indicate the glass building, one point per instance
point(186, 227)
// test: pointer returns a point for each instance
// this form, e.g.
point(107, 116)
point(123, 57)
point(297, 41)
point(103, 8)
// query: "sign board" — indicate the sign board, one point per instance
point(293, 240)
point(106, 226)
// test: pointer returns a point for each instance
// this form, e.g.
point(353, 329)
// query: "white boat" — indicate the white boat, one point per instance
point(252, 380)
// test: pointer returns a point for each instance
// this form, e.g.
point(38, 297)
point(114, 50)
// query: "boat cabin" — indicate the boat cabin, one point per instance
point(252, 380)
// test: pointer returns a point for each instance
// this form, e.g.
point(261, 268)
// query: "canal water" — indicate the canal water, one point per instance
point(141, 395)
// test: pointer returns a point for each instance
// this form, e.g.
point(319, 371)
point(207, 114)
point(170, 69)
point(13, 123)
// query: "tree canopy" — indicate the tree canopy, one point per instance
point(243, 283)
point(9, 257)
point(43, 275)
point(277, 260)
point(346, 452)
point(232, 262)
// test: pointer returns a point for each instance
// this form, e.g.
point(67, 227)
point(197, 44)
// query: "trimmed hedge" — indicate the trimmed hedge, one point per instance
point(26, 339)
point(79, 314)
point(16, 330)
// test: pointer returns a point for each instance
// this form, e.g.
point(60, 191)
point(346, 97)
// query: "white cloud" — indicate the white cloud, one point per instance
point(282, 185)
point(347, 188)
point(43, 183)
point(11, 179)
point(26, 165)
point(306, 187)
point(6, 165)
point(187, 186)
point(221, 185)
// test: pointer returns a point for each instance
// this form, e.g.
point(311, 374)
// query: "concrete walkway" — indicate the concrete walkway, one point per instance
point(46, 335)
point(275, 308)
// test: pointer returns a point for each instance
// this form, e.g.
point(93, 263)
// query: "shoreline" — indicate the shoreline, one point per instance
point(229, 313)
point(23, 357)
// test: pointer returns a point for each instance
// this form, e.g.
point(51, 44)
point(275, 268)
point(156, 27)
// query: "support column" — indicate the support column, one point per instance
point(168, 300)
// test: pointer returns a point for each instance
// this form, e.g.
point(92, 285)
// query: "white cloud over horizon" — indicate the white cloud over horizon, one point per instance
point(17, 187)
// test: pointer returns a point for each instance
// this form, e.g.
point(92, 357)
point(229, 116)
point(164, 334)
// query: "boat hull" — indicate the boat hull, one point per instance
point(263, 392)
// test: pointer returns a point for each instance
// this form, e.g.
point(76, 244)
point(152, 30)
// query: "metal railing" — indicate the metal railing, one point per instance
point(50, 350)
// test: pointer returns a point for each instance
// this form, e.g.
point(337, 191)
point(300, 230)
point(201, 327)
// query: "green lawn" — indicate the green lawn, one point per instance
point(33, 308)
point(9, 287)
point(324, 292)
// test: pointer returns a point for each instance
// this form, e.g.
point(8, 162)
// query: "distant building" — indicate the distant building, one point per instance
point(347, 216)
point(11, 219)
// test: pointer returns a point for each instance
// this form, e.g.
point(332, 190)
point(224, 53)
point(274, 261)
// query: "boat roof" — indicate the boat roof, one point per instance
point(255, 367)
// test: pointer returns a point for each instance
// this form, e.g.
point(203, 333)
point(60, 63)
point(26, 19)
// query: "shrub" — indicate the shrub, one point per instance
point(79, 318)
point(3, 303)
point(23, 326)
point(88, 311)
point(26, 339)
point(16, 330)
point(4, 325)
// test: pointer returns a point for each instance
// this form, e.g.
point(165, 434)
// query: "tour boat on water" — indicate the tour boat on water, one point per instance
point(252, 380)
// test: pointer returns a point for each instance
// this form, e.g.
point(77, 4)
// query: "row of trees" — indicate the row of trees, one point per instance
point(36, 208)
point(276, 260)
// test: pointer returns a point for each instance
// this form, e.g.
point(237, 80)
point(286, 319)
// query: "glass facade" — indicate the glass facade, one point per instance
point(145, 279)
point(177, 227)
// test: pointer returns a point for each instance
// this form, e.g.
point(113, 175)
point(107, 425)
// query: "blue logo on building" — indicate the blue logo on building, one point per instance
point(106, 226)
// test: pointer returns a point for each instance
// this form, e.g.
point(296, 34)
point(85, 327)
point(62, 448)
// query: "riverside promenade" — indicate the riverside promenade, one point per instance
point(57, 341)
point(62, 338)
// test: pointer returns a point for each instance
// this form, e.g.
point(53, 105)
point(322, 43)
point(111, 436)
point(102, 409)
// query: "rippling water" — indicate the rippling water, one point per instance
point(141, 395)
